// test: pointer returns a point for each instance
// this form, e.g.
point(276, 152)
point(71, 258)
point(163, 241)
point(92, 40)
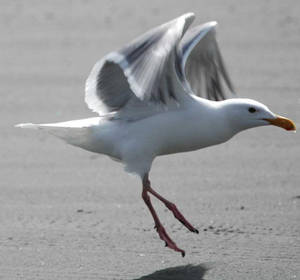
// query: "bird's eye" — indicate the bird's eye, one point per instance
point(252, 110)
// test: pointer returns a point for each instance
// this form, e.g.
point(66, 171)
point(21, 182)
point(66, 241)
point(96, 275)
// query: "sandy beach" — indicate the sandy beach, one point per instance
point(69, 214)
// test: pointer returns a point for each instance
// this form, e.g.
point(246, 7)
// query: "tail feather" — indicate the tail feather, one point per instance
point(73, 132)
point(27, 125)
point(80, 133)
point(54, 129)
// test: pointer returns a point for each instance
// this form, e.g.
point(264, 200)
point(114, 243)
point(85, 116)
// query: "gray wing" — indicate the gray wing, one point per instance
point(141, 72)
point(202, 67)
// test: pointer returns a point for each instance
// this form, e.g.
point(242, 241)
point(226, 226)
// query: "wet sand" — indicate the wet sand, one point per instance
point(69, 214)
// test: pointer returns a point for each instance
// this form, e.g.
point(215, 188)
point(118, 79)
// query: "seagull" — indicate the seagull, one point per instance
point(161, 94)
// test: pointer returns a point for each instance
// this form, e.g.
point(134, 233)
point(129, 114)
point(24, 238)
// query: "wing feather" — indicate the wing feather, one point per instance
point(159, 69)
point(200, 56)
point(139, 70)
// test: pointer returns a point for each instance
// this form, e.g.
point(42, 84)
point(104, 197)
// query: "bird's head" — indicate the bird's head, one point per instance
point(246, 113)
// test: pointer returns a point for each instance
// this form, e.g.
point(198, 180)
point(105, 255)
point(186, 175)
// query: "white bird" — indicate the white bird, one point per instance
point(150, 99)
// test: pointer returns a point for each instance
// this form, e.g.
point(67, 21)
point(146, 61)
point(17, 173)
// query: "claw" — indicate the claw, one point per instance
point(173, 208)
point(166, 238)
point(157, 224)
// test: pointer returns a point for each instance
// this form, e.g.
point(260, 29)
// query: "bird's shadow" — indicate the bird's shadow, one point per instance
point(184, 272)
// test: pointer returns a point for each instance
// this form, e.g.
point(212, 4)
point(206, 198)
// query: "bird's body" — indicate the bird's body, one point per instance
point(137, 143)
point(149, 97)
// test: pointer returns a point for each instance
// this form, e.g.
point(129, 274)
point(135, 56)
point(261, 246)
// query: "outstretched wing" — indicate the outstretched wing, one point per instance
point(143, 71)
point(202, 67)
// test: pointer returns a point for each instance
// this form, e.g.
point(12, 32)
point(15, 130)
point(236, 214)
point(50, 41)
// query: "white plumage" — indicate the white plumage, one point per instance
point(150, 99)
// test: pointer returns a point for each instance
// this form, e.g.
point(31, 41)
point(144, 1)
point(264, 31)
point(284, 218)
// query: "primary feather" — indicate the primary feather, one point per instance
point(158, 69)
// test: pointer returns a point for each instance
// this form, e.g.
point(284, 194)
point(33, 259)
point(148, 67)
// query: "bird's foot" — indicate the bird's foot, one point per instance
point(177, 214)
point(165, 237)
point(172, 207)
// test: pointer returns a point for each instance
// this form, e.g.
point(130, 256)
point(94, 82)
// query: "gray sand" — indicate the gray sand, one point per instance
point(69, 214)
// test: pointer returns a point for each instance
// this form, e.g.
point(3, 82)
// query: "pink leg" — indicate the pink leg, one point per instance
point(158, 226)
point(171, 206)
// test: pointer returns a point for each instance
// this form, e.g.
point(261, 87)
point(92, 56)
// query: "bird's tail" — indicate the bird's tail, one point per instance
point(27, 125)
point(55, 129)
point(77, 132)
point(71, 134)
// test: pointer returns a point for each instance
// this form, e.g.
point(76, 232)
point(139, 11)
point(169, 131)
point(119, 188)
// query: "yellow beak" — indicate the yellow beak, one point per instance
point(282, 122)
